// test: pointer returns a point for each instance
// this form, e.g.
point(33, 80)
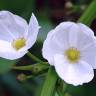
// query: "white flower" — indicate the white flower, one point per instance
point(16, 36)
point(71, 48)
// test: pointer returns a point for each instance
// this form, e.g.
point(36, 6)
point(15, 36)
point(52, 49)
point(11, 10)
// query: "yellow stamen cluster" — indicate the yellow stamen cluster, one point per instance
point(18, 43)
point(72, 55)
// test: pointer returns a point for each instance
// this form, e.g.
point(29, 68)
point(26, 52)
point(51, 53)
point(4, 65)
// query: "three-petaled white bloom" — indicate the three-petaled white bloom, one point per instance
point(71, 48)
point(16, 36)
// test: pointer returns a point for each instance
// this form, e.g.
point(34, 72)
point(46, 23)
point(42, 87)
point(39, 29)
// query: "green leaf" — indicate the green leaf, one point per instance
point(89, 14)
point(49, 84)
point(5, 65)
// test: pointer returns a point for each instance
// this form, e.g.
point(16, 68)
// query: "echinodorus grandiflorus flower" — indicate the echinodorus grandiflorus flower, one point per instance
point(71, 49)
point(16, 36)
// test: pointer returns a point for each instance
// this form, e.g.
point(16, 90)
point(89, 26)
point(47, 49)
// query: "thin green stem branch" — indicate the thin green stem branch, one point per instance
point(34, 68)
point(33, 57)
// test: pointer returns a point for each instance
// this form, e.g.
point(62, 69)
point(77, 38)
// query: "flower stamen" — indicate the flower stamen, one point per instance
point(72, 55)
point(18, 43)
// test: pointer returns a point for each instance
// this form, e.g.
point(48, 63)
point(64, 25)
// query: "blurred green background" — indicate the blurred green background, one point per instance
point(49, 14)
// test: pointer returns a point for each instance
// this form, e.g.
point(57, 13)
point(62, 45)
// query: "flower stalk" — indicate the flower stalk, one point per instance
point(33, 57)
point(35, 68)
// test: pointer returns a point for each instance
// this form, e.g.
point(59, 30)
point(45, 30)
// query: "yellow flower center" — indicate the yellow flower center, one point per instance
point(72, 55)
point(18, 43)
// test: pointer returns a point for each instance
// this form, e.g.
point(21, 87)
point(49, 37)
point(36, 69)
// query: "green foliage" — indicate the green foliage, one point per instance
point(50, 83)
point(5, 65)
point(89, 14)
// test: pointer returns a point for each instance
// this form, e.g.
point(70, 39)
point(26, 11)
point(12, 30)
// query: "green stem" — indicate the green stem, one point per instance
point(34, 57)
point(34, 68)
point(62, 88)
point(49, 84)
point(59, 92)
point(89, 14)
point(65, 86)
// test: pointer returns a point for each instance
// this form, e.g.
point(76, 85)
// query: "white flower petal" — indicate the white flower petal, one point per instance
point(84, 40)
point(5, 34)
point(56, 41)
point(73, 35)
point(22, 24)
point(51, 46)
point(64, 26)
point(7, 51)
point(5, 46)
point(12, 55)
point(32, 31)
point(75, 74)
point(89, 55)
point(13, 23)
point(79, 35)
point(86, 29)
